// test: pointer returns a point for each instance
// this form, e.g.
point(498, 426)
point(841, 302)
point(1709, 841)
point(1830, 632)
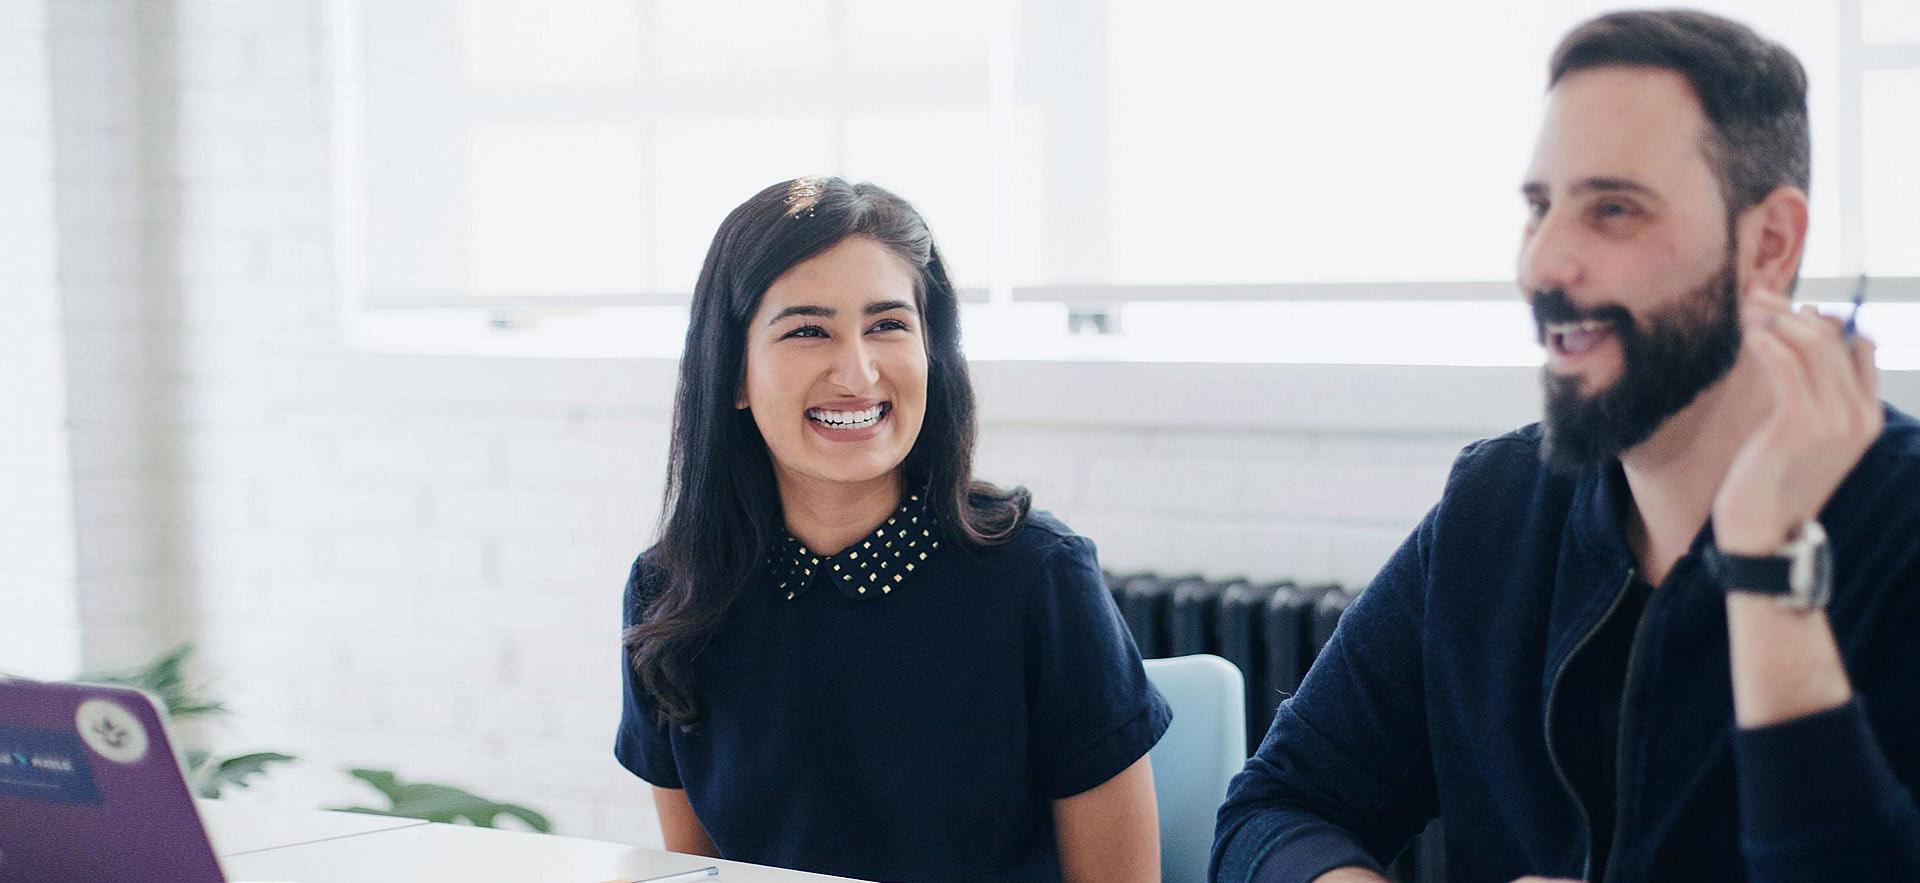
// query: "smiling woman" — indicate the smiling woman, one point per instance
point(837, 370)
point(845, 654)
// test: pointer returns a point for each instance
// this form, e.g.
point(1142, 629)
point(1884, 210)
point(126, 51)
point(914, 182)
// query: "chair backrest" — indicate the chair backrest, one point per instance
point(1204, 747)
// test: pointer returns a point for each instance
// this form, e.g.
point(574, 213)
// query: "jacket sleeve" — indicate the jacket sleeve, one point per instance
point(1343, 777)
point(1829, 796)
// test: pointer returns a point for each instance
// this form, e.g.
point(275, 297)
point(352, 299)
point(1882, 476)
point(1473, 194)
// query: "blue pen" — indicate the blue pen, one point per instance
point(1859, 297)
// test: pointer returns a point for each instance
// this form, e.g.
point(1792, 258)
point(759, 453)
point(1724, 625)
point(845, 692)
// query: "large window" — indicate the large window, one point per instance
point(1093, 157)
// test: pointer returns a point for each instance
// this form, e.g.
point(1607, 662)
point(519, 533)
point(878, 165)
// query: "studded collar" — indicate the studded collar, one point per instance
point(874, 566)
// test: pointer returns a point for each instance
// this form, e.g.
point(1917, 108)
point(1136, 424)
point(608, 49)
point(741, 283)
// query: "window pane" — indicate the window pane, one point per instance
point(939, 161)
point(1890, 21)
point(1300, 144)
point(413, 194)
point(735, 36)
point(892, 33)
point(1365, 141)
point(1890, 131)
point(1214, 141)
point(705, 167)
point(526, 42)
point(556, 209)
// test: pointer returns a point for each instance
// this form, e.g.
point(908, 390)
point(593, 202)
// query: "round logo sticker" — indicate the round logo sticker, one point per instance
point(111, 731)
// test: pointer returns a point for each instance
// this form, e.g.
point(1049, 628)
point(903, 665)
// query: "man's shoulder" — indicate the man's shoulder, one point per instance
point(1518, 448)
point(1900, 441)
point(1503, 464)
point(1887, 481)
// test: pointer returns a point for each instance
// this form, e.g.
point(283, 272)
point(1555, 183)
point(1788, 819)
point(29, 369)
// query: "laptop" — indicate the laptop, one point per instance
point(90, 790)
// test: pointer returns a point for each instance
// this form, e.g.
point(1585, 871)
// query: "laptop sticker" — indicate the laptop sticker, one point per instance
point(112, 731)
point(45, 766)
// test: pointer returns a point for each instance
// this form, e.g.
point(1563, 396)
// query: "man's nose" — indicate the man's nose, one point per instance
point(1551, 257)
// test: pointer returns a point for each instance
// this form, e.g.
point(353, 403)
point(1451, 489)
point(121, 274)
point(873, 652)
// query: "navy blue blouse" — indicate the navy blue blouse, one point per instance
point(906, 709)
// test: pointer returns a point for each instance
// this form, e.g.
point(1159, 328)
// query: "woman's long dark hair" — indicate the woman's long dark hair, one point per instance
point(721, 515)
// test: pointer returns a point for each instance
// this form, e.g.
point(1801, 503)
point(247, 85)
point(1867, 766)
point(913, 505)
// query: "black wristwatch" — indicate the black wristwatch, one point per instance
point(1799, 574)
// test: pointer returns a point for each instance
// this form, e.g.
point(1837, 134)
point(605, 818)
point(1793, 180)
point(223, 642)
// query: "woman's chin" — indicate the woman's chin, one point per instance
point(842, 466)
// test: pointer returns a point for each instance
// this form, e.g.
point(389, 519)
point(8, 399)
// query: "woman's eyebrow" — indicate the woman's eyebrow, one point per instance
point(807, 310)
point(883, 306)
point(872, 309)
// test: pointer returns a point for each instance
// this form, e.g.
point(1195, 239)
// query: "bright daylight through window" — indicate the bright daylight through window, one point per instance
point(1203, 181)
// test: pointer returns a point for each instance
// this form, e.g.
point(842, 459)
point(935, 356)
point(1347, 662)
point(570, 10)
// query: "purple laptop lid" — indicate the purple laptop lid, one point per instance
point(90, 790)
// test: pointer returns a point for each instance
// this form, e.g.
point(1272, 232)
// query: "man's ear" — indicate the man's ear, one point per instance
point(1773, 238)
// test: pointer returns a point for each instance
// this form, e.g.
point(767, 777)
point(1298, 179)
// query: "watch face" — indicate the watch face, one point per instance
point(1822, 578)
point(1811, 575)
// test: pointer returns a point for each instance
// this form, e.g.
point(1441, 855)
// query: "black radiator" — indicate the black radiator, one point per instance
point(1272, 631)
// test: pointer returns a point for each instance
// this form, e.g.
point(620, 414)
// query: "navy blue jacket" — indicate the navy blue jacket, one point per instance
point(1436, 696)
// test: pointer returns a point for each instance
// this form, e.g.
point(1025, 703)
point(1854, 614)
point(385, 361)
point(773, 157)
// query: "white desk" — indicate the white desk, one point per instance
point(237, 829)
point(416, 851)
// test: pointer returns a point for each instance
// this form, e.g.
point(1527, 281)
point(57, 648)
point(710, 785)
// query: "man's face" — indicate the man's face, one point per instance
point(1627, 259)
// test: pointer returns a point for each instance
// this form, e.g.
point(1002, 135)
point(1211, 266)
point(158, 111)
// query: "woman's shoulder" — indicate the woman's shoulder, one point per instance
point(1043, 529)
point(1043, 541)
point(645, 581)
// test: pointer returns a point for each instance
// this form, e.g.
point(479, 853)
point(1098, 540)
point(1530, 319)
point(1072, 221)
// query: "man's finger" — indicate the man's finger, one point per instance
point(1823, 360)
point(1865, 371)
point(1759, 305)
point(1792, 398)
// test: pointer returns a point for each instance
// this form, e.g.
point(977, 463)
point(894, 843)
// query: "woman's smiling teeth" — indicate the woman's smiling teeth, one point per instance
point(848, 419)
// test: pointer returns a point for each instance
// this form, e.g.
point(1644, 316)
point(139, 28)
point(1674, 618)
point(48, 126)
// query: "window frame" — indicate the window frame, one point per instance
point(372, 317)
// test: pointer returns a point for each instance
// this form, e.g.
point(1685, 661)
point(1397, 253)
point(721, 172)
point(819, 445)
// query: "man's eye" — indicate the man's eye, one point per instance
point(1611, 209)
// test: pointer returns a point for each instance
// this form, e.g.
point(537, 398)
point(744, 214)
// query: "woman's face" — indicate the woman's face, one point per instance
point(837, 365)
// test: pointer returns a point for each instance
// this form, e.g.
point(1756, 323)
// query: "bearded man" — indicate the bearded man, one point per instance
point(1671, 632)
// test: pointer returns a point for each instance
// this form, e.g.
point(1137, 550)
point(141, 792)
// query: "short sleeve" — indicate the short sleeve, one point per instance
point(1092, 712)
point(643, 744)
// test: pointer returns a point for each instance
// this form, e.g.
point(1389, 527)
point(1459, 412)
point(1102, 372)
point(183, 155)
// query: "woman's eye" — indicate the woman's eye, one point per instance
point(805, 331)
point(889, 325)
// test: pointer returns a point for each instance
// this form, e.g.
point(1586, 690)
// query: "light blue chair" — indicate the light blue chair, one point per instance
point(1205, 747)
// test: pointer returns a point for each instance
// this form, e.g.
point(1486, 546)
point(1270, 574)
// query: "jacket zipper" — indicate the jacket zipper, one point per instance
point(1620, 736)
point(1553, 691)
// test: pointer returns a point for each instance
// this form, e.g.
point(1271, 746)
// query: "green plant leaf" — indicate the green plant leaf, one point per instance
point(234, 772)
point(166, 678)
point(441, 803)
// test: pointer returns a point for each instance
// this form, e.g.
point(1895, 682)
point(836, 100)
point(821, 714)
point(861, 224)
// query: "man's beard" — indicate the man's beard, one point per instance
point(1666, 364)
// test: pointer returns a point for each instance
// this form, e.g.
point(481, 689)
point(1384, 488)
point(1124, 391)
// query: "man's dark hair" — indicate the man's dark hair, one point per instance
point(1753, 90)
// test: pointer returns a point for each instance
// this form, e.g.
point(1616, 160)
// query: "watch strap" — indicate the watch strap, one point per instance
point(1759, 574)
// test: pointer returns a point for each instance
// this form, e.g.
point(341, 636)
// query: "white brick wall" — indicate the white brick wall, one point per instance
point(41, 633)
point(414, 562)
